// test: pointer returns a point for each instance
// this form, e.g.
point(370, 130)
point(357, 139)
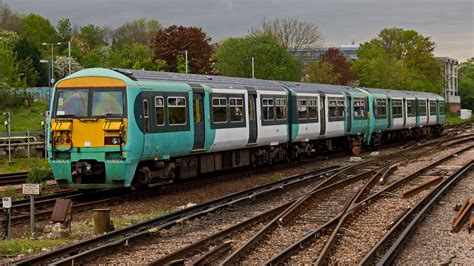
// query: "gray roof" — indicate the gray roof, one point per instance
point(314, 87)
point(402, 93)
point(209, 80)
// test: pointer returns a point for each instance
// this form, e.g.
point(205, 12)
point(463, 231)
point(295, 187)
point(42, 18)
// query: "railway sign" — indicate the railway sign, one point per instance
point(31, 189)
point(7, 202)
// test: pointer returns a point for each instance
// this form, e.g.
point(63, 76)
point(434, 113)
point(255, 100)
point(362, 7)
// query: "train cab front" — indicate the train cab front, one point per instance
point(88, 133)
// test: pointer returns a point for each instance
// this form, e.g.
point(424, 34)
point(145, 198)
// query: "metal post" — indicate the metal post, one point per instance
point(28, 142)
point(8, 224)
point(49, 84)
point(186, 56)
point(9, 136)
point(253, 67)
point(69, 52)
point(32, 213)
point(52, 61)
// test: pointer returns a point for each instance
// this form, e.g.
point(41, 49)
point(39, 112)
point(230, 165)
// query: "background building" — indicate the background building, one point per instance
point(307, 55)
point(449, 75)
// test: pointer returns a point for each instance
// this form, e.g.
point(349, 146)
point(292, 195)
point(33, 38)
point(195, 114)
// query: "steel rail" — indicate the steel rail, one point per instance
point(13, 178)
point(98, 244)
point(413, 217)
point(313, 235)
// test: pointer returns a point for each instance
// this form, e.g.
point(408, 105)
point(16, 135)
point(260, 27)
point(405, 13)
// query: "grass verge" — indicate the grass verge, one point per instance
point(22, 165)
point(25, 118)
point(15, 247)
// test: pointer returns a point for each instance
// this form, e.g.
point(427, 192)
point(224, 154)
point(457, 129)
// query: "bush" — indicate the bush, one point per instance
point(39, 173)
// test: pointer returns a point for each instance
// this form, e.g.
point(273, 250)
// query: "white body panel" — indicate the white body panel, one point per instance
point(231, 138)
point(336, 128)
point(270, 134)
point(411, 121)
point(309, 131)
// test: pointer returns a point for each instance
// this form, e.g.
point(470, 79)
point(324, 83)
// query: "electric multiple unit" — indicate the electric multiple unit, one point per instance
point(129, 128)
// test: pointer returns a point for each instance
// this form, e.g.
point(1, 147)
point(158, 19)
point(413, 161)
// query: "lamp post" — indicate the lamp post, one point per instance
point(186, 56)
point(52, 56)
point(253, 67)
point(49, 78)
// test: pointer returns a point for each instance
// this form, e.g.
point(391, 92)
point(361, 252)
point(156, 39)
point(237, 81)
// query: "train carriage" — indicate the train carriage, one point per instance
point(128, 128)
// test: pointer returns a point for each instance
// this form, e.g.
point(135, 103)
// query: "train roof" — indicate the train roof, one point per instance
point(212, 81)
point(315, 87)
point(403, 93)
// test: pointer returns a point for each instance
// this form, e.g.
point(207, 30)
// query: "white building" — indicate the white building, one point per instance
point(449, 77)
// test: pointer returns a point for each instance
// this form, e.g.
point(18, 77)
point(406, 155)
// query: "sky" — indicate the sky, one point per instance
point(450, 23)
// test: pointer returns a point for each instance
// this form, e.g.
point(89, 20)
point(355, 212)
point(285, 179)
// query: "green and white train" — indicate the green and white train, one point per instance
point(128, 128)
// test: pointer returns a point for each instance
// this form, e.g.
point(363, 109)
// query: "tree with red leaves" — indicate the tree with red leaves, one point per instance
point(169, 45)
point(332, 68)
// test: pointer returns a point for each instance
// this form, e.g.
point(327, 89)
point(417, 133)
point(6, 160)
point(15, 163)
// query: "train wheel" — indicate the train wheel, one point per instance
point(356, 150)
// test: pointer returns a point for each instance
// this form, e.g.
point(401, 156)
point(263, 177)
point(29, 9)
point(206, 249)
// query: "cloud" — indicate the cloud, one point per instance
point(450, 23)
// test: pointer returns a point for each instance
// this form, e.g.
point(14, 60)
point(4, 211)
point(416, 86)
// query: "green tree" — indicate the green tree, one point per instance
point(28, 58)
point(38, 30)
point(64, 29)
point(466, 84)
point(138, 31)
point(135, 56)
point(96, 57)
point(399, 59)
point(93, 36)
point(272, 61)
point(322, 72)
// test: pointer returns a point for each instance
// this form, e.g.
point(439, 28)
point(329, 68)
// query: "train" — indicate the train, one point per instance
point(116, 128)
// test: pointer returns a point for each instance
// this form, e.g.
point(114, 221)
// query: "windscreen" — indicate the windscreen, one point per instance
point(83, 103)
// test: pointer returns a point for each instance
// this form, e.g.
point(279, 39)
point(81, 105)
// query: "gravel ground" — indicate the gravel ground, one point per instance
point(433, 243)
point(365, 230)
point(198, 195)
point(193, 230)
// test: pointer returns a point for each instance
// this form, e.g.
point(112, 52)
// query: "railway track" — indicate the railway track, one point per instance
point(387, 248)
point(211, 249)
point(114, 239)
point(364, 224)
point(13, 179)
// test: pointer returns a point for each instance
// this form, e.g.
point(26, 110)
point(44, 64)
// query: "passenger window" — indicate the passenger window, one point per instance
point(411, 108)
point(302, 109)
point(336, 109)
point(145, 116)
point(397, 108)
point(177, 110)
point(359, 108)
point(160, 111)
point(268, 109)
point(197, 111)
point(313, 109)
point(219, 110)
point(380, 108)
point(236, 109)
point(251, 108)
point(432, 107)
point(442, 107)
point(280, 106)
point(422, 107)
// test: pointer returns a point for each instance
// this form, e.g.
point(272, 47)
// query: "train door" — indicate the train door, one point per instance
point(252, 110)
point(349, 113)
point(146, 124)
point(428, 108)
point(198, 115)
point(404, 111)
point(389, 112)
point(322, 113)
